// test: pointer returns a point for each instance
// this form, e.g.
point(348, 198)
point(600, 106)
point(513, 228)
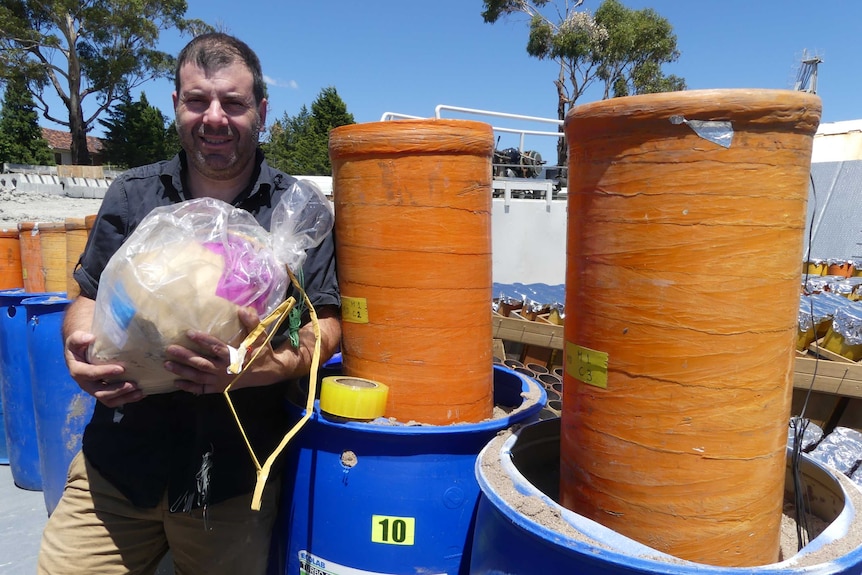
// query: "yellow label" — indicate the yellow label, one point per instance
point(587, 365)
point(354, 309)
point(392, 530)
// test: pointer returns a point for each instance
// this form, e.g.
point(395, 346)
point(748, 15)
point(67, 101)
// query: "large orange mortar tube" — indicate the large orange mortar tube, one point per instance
point(685, 236)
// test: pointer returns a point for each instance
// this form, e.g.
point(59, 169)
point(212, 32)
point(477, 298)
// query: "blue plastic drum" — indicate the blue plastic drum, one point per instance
point(521, 530)
point(389, 499)
point(62, 409)
point(4, 451)
point(19, 420)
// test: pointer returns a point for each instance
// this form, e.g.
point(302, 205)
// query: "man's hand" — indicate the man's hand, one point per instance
point(93, 379)
point(205, 371)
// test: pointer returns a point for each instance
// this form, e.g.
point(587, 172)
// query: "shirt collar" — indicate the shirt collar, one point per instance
point(263, 176)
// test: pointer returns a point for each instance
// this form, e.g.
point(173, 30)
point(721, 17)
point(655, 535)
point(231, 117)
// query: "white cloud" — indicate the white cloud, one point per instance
point(292, 84)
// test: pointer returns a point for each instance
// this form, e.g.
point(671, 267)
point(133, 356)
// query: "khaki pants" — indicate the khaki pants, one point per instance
point(94, 529)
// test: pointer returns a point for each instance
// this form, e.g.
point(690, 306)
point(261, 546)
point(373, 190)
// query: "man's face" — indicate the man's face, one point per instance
point(217, 120)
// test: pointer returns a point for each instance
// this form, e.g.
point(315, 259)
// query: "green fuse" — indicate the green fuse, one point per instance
point(294, 320)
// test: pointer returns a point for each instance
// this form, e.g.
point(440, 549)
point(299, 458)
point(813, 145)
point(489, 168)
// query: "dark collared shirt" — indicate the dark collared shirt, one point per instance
point(161, 441)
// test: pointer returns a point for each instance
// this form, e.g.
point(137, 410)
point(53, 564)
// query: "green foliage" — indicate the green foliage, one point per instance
point(21, 140)
point(299, 145)
point(97, 49)
point(135, 133)
point(639, 42)
point(494, 9)
point(172, 140)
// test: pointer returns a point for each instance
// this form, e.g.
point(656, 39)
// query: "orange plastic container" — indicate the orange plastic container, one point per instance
point(77, 232)
point(43, 256)
point(413, 238)
point(678, 374)
point(10, 260)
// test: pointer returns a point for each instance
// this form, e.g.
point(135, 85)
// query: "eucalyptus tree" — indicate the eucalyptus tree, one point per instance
point(87, 50)
point(621, 48)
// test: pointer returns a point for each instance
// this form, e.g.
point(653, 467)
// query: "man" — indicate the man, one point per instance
point(171, 471)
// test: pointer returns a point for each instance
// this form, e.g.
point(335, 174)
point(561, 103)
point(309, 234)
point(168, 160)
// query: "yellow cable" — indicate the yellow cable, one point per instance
point(278, 317)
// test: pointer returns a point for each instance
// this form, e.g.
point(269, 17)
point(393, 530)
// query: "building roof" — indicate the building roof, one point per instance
point(843, 127)
point(59, 140)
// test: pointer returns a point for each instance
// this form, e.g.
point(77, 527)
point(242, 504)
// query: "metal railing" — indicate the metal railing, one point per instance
point(533, 187)
point(440, 108)
point(438, 113)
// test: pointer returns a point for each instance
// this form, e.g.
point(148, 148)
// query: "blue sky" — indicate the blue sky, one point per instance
point(408, 56)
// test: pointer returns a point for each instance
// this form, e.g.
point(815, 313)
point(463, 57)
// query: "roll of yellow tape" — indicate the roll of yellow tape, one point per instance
point(353, 397)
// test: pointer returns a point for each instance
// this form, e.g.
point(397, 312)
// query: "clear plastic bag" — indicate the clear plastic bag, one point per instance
point(191, 266)
point(300, 221)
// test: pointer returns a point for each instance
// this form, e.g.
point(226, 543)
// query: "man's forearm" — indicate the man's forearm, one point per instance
point(79, 316)
point(289, 362)
point(330, 337)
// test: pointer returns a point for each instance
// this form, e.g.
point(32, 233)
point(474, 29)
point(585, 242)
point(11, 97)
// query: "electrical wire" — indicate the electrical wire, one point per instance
point(798, 424)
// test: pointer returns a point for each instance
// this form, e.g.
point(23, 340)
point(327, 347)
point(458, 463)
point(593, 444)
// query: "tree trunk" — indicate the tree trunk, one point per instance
point(77, 126)
point(562, 147)
point(80, 153)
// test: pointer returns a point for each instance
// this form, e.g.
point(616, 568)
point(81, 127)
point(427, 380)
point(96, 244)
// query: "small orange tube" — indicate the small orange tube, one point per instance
point(43, 256)
point(76, 239)
point(77, 234)
point(10, 260)
point(412, 231)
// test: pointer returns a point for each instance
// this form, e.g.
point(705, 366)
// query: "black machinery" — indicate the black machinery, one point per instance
point(513, 163)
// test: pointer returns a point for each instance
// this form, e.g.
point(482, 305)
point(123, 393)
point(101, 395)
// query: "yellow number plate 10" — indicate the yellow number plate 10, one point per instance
point(392, 530)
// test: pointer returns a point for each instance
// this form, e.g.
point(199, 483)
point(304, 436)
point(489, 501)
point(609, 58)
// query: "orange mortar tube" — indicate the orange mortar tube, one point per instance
point(413, 243)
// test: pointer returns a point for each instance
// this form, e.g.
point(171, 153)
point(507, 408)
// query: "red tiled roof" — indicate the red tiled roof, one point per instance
point(58, 140)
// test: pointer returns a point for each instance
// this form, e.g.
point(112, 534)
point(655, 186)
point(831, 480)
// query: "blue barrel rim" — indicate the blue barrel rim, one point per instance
point(17, 296)
point(58, 298)
point(529, 386)
point(639, 558)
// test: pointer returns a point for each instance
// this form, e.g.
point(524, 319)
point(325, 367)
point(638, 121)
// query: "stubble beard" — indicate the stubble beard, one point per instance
point(218, 168)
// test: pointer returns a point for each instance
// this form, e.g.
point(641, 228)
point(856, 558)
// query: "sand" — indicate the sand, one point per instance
point(17, 206)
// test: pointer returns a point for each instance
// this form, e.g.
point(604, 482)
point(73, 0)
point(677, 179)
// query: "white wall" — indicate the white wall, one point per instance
point(838, 142)
point(528, 241)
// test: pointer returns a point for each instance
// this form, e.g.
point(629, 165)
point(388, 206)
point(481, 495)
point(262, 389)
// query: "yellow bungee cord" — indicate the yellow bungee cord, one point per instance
point(274, 319)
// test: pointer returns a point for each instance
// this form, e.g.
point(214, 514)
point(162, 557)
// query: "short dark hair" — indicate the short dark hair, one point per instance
point(216, 50)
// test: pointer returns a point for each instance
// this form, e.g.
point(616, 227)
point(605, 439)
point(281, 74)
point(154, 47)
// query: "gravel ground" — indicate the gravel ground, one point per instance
point(18, 207)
